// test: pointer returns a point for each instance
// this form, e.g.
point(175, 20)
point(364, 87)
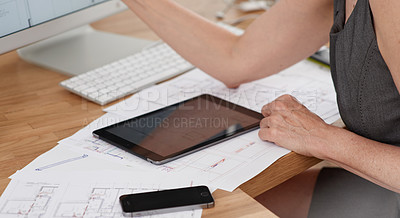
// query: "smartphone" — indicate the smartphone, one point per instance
point(167, 201)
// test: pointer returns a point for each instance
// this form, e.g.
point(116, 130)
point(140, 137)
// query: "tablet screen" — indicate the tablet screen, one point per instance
point(187, 125)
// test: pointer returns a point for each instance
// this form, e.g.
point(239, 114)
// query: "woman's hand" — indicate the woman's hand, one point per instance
point(291, 125)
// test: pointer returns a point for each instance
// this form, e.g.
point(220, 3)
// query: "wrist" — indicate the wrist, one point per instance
point(327, 139)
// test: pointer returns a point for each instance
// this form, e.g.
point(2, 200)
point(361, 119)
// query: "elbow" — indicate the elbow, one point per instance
point(233, 80)
point(238, 75)
point(232, 85)
point(237, 70)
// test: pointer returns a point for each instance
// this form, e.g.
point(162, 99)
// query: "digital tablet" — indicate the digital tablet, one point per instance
point(180, 129)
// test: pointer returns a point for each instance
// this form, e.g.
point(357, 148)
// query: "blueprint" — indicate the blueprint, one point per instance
point(224, 166)
point(76, 198)
point(228, 164)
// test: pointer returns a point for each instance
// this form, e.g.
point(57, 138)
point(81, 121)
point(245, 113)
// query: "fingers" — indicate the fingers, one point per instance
point(278, 117)
point(272, 121)
point(264, 123)
point(270, 134)
point(283, 104)
point(291, 125)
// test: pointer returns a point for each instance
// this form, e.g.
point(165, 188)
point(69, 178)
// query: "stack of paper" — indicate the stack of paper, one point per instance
point(83, 176)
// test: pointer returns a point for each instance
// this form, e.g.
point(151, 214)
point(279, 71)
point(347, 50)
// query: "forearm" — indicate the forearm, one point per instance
point(288, 33)
point(377, 162)
point(198, 40)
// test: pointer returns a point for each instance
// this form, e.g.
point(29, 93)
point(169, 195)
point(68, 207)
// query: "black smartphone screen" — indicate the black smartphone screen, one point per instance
point(198, 196)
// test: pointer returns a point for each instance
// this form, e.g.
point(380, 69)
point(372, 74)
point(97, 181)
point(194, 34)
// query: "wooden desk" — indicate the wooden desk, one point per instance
point(35, 113)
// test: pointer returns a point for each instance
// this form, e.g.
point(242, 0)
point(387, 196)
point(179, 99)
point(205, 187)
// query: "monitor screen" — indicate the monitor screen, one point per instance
point(24, 22)
point(17, 15)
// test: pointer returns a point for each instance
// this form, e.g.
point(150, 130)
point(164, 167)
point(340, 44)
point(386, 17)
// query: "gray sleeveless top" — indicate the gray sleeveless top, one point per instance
point(369, 102)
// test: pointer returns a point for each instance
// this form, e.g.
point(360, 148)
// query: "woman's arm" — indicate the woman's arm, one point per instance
point(291, 125)
point(286, 34)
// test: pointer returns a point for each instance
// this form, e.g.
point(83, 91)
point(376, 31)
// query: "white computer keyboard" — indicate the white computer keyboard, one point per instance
point(131, 74)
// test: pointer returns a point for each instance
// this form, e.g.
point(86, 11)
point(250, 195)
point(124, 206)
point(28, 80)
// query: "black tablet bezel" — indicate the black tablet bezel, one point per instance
point(148, 155)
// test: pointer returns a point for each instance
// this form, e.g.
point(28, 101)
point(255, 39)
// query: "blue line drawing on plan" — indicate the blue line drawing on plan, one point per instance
point(61, 162)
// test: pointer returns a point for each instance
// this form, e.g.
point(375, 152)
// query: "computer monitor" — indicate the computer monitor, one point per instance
point(64, 40)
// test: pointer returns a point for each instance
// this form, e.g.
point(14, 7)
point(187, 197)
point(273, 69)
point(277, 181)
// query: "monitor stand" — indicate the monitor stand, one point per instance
point(81, 50)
